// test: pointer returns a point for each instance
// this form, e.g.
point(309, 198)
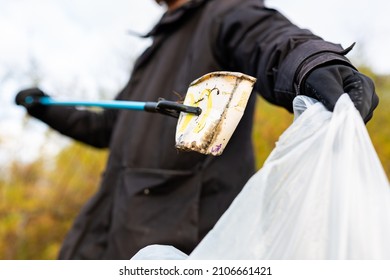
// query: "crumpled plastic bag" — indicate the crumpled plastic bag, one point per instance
point(159, 252)
point(321, 194)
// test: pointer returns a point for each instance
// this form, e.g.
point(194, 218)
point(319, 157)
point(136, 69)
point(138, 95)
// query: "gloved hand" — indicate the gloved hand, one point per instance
point(328, 83)
point(27, 98)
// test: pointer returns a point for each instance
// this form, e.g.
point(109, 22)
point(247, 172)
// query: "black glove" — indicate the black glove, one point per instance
point(28, 99)
point(328, 83)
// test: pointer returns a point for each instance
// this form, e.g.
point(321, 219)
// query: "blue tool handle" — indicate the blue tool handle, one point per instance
point(110, 104)
point(165, 107)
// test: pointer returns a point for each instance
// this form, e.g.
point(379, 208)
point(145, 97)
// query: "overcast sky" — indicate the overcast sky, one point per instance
point(78, 47)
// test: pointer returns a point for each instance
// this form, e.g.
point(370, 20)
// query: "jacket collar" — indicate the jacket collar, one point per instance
point(171, 18)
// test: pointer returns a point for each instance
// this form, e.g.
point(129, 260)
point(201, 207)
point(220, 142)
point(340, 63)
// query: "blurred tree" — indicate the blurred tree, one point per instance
point(38, 202)
point(378, 127)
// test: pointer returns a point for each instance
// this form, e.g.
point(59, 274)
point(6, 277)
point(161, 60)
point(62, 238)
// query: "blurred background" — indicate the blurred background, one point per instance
point(85, 50)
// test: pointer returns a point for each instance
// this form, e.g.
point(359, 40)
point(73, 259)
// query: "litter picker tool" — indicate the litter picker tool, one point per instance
point(162, 106)
point(210, 113)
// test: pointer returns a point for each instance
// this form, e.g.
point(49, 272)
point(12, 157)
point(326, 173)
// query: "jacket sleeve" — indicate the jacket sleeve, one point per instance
point(90, 127)
point(261, 42)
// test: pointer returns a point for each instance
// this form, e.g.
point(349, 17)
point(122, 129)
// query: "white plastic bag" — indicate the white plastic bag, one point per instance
point(321, 194)
point(159, 252)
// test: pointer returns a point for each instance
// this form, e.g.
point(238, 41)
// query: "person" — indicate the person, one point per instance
point(152, 194)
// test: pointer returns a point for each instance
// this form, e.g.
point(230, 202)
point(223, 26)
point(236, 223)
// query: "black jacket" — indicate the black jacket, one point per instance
point(151, 193)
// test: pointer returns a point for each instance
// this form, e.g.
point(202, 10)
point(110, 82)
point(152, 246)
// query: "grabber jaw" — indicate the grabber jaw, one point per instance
point(222, 97)
point(171, 108)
